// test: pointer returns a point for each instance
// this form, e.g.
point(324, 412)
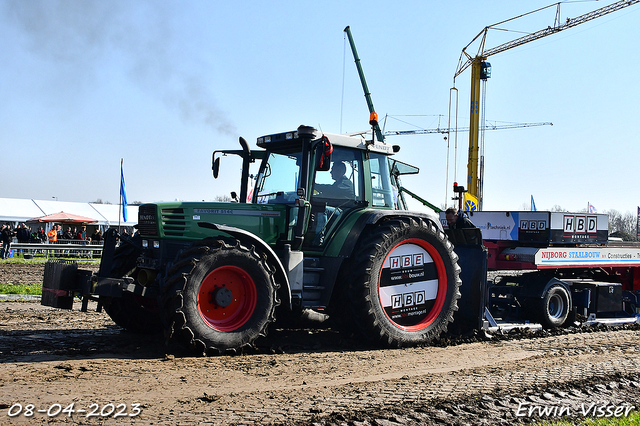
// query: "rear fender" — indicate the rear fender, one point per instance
point(345, 239)
point(249, 238)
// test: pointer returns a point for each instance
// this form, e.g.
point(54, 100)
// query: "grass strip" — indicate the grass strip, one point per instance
point(21, 289)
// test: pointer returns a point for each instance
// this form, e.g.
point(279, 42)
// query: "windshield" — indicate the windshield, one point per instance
point(278, 179)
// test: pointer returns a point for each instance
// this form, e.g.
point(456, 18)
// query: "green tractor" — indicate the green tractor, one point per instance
point(324, 228)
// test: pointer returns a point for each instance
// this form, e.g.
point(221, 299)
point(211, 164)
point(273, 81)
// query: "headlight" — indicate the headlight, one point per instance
point(156, 244)
point(145, 244)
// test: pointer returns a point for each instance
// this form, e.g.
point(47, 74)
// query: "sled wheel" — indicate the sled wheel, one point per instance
point(219, 296)
point(134, 313)
point(406, 283)
point(554, 306)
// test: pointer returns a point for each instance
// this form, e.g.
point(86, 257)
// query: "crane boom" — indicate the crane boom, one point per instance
point(447, 130)
point(363, 81)
point(557, 27)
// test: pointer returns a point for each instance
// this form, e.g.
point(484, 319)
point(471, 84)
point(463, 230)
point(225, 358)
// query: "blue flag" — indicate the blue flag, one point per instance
point(533, 205)
point(123, 193)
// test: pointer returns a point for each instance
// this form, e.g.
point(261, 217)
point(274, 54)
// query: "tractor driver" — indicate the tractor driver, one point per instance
point(341, 188)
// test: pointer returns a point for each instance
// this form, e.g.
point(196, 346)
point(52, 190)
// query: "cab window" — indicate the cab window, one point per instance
point(278, 179)
point(342, 184)
point(333, 192)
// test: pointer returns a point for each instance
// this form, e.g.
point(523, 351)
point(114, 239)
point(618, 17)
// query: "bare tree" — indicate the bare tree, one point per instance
point(622, 225)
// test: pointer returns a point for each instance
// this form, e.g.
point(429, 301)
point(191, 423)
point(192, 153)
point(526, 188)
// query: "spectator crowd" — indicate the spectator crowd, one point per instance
point(24, 234)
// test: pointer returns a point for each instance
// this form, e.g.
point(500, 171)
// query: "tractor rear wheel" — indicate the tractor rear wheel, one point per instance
point(220, 296)
point(405, 283)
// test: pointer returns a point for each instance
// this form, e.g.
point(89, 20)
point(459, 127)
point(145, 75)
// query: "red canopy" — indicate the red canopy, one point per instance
point(63, 217)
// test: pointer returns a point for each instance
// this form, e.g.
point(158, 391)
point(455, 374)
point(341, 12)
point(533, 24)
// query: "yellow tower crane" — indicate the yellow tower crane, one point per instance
point(481, 70)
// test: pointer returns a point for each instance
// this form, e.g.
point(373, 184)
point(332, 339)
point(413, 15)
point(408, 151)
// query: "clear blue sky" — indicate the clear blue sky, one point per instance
point(163, 84)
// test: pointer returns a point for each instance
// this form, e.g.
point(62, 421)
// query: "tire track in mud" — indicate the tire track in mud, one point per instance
point(551, 366)
point(308, 375)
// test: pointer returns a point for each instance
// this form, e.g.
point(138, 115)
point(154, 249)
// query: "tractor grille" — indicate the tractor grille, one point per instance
point(173, 222)
point(147, 220)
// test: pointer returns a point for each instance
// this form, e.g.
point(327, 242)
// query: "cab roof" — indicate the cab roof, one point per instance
point(290, 141)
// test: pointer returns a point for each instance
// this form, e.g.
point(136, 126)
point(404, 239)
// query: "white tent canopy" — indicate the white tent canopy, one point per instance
point(17, 210)
point(111, 212)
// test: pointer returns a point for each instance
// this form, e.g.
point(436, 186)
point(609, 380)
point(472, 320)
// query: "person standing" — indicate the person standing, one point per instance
point(42, 236)
point(7, 238)
point(82, 234)
point(457, 220)
point(68, 235)
point(96, 237)
point(23, 234)
point(53, 234)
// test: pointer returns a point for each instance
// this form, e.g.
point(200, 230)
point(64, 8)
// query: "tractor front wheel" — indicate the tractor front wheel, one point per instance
point(220, 296)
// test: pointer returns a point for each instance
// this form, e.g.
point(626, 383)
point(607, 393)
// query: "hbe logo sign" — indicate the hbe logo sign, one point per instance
point(580, 224)
point(406, 261)
point(407, 300)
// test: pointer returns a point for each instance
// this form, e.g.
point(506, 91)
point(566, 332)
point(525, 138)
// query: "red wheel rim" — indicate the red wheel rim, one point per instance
point(441, 273)
point(227, 298)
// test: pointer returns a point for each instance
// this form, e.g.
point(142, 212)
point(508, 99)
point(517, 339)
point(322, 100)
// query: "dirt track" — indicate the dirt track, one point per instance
point(302, 376)
point(296, 376)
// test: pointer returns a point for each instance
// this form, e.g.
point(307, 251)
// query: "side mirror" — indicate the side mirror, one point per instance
point(216, 167)
point(323, 155)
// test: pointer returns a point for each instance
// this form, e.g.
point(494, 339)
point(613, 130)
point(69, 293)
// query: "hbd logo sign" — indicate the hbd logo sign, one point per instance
point(533, 225)
point(580, 224)
point(406, 261)
point(407, 300)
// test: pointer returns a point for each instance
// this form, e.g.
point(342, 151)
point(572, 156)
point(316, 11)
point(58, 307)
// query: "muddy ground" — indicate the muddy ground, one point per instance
point(57, 360)
point(21, 273)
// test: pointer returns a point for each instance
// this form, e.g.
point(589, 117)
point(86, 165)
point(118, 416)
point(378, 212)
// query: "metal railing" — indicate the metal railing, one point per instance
point(61, 248)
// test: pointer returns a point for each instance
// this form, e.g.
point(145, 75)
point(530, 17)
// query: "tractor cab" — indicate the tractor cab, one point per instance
point(325, 176)
point(320, 179)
